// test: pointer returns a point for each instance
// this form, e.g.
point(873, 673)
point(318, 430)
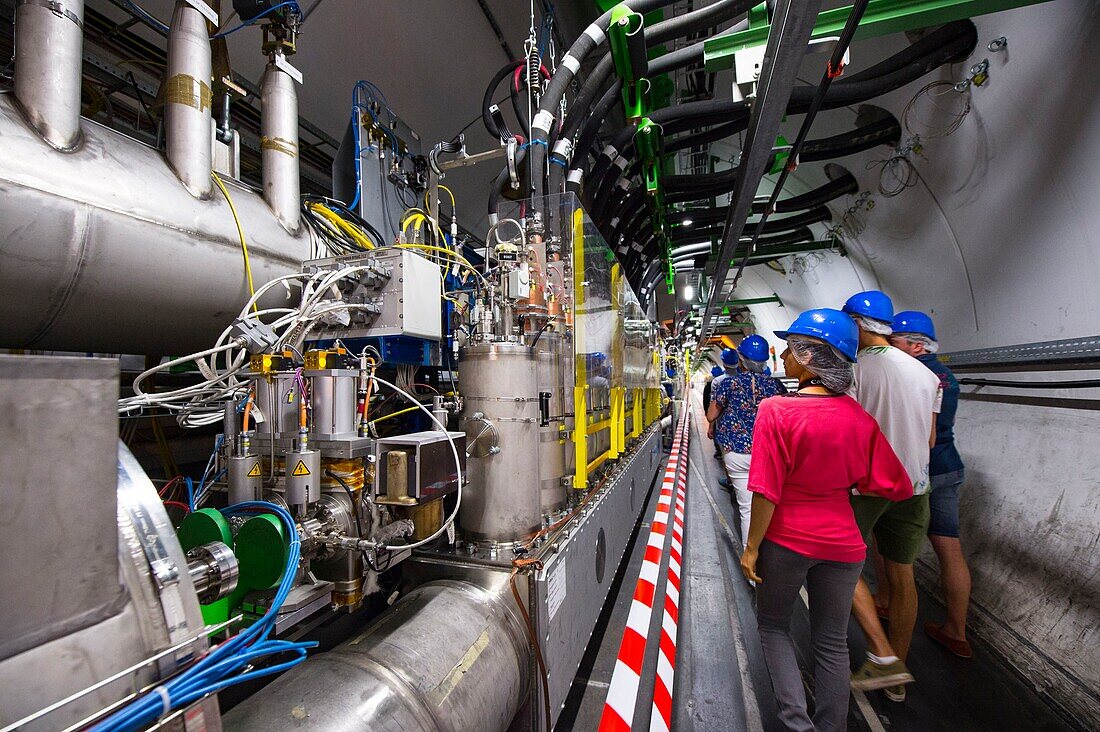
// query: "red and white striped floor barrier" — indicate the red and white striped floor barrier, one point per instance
point(622, 693)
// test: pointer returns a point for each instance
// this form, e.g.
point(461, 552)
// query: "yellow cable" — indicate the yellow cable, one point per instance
point(240, 233)
point(339, 222)
point(454, 206)
point(394, 414)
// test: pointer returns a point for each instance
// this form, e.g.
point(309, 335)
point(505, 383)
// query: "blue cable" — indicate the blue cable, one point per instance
point(146, 17)
point(220, 668)
point(290, 3)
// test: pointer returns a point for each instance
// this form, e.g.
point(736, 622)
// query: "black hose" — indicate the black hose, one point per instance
point(490, 91)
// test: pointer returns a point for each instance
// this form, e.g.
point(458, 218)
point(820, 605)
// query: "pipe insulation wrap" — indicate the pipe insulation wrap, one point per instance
point(131, 264)
point(449, 656)
point(188, 100)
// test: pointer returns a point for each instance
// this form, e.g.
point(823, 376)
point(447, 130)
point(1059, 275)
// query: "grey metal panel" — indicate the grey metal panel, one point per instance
point(57, 497)
point(1070, 349)
point(571, 589)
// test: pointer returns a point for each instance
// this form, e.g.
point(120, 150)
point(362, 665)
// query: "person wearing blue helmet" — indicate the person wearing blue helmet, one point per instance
point(709, 385)
point(904, 398)
point(730, 361)
point(732, 414)
point(810, 448)
point(915, 333)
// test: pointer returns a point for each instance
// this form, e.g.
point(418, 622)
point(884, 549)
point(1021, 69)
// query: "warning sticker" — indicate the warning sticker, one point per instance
point(254, 472)
point(300, 469)
point(556, 590)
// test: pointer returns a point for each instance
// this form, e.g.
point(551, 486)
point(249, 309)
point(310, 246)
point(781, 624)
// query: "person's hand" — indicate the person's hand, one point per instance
point(710, 431)
point(748, 564)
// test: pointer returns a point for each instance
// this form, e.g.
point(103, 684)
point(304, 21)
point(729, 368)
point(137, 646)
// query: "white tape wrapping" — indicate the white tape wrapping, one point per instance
point(576, 175)
point(620, 163)
point(570, 63)
point(595, 33)
point(564, 149)
point(624, 184)
point(544, 120)
point(610, 152)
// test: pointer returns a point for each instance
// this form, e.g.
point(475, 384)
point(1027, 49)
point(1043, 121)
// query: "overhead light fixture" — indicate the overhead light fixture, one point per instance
point(689, 293)
point(686, 222)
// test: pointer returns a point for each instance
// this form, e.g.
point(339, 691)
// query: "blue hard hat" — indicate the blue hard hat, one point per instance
point(670, 372)
point(754, 348)
point(729, 356)
point(717, 371)
point(828, 325)
point(872, 304)
point(914, 321)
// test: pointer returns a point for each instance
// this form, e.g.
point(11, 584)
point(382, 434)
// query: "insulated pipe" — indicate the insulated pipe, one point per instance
point(279, 146)
point(449, 656)
point(48, 48)
point(188, 126)
point(104, 251)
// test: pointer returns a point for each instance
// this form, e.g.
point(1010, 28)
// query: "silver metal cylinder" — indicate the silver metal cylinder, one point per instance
point(277, 399)
point(48, 64)
point(214, 570)
point(449, 656)
point(333, 394)
point(246, 480)
point(500, 382)
point(303, 478)
point(103, 247)
point(552, 451)
point(188, 127)
point(279, 146)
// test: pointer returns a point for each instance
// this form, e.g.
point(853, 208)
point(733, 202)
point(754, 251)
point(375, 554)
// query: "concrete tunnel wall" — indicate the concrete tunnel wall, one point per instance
point(1000, 240)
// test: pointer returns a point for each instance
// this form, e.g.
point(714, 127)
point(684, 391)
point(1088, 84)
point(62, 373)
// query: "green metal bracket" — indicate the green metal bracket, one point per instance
point(624, 24)
point(752, 301)
point(647, 144)
point(881, 18)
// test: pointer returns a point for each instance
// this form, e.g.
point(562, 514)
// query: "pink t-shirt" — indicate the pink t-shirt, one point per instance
point(808, 452)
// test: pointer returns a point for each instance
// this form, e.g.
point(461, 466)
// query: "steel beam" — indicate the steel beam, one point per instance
point(881, 18)
point(792, 24)
point(741, 302)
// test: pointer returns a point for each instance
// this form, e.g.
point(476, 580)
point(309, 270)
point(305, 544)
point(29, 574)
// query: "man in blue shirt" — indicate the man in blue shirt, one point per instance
point(915, 334)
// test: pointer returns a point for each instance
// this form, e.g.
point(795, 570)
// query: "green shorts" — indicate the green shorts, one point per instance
point(899, 527)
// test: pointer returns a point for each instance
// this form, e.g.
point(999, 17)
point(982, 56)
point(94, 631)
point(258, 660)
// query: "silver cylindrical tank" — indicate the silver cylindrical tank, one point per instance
point(188, 100)
point(554, 380)
point(503, 500)
point(277, 399)
point(449, 656)
point(332, 397)
point(48, 46)
point(104, 250)
point(279, 145)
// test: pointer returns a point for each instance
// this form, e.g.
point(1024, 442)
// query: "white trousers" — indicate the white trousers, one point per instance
point(737, 467)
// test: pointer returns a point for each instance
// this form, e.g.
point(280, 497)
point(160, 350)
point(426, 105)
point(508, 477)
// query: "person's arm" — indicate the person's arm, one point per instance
point(932, 437)
point(761, 518)
point(886, 476)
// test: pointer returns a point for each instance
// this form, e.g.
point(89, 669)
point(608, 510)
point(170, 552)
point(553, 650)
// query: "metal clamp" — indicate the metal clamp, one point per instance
point(998, 44)
point(54, 7)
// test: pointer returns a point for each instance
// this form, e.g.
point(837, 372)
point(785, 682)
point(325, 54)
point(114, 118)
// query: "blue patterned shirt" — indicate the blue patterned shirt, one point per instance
point(739, 395)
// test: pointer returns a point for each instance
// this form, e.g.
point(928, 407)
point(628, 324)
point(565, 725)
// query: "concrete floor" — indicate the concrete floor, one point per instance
point(721, 678)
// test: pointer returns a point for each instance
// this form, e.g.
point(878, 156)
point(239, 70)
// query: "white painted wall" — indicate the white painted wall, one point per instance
point(1000, 241)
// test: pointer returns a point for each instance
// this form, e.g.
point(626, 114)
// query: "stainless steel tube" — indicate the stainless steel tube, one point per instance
point(48, 47)
point(187, 100)
point(449, 656)
point(103, 250)
point(279, 146)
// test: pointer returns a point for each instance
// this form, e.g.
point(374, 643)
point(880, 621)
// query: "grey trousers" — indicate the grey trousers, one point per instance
point(830, 586)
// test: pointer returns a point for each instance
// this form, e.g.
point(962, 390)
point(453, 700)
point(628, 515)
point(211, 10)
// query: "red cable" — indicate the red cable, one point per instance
point(177, 504)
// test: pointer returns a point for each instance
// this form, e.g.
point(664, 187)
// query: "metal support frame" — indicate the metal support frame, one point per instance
point(792, 24)
point(881, 18)
point(741, 302)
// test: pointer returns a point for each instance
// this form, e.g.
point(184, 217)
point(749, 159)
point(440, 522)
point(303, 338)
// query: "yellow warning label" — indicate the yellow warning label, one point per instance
point(255, 471)
point(300, 469)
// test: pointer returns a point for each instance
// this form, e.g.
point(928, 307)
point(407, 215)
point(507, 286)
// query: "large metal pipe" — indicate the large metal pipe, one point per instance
point(187, 100)
point(48, 47)
point(450, 656)
point(103, 250)
point(279, 145)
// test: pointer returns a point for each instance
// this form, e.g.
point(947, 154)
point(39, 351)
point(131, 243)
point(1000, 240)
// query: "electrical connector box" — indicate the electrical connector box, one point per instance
point(427, 466)
point(403, 288)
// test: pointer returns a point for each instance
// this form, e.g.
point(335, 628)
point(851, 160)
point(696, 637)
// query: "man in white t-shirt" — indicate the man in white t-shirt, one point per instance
point(904, 399)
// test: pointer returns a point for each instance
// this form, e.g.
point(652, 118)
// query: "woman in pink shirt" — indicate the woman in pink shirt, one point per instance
point(810, 450)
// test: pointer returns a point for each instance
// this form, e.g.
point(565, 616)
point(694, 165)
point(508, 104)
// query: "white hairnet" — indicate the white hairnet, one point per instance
point(757, 367)
point(825, 361)
point(929, 345)
point(871, 325)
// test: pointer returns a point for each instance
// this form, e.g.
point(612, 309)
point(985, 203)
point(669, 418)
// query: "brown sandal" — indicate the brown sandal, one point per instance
point(960, 648)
